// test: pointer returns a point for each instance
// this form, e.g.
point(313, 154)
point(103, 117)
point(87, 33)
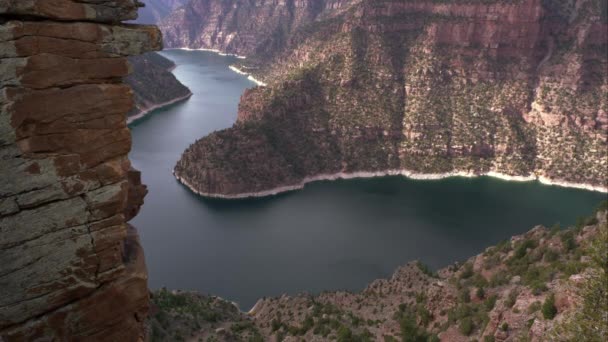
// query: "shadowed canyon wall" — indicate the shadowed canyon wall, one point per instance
point(71, 267)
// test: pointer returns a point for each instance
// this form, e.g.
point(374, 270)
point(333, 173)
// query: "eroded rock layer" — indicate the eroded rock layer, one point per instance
point(70, 266)
point(517, 88)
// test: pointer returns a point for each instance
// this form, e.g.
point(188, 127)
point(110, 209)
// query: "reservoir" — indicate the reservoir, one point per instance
point(329, 236)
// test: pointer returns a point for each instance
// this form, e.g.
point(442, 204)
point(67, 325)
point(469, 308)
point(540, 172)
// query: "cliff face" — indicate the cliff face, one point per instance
point(71, 268)
point(499, 295)
point(153, 84)
point(243, 27)
point(426, 87)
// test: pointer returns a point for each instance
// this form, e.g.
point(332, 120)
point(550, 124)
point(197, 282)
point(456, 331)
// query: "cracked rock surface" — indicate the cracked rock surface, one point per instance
point(71, 268)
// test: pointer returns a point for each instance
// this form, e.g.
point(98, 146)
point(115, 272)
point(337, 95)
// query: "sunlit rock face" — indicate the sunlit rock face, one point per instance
point(508, 88)
point(71, 268)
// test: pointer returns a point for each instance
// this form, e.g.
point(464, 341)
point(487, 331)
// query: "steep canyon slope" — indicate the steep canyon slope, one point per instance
point(71, 268)
point(513, 88)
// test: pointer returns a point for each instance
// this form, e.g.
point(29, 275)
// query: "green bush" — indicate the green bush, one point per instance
point(426, 269)
point(275, 325)
point(467, 271)
point(550, 256)
point(489, 338)
point(465, 295)
point(568, 240)
point(481, 293)
point(549, 310)
point(521, 250)
point(466, 326)
point(490, 302)
point(344, 334)
point(534, 307)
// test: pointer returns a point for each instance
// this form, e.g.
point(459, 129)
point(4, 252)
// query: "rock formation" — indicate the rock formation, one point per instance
point(153, 84)
point(418, 87)
point(497, 295)
point(71, 268)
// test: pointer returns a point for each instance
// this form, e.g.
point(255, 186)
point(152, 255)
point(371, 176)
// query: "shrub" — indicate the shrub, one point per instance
point(504, 326)
point(498, 279)
point(424, 315)
point(534, 307)
point(465, 295)
point(481, 293)
point(549, 310)
point(521, 250)
point(275, 325)
point(467, 271)
point(551, 255)
point(568, 240)
point(466, 326)
point(308, 323)
point(490, 302)
point(410, 331)
point(344, 334)
point(426, 269)
point(489, 338)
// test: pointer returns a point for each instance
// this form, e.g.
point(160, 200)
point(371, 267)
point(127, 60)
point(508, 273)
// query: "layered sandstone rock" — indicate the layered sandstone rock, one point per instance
point(516, 88)
point(70, 267)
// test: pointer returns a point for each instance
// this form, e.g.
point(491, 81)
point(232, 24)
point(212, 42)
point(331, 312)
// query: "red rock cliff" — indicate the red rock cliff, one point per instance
point(71, 268)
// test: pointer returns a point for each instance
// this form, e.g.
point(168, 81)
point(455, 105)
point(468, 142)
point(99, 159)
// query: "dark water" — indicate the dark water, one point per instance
point(338, 235)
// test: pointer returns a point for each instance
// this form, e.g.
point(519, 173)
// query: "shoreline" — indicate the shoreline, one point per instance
point(210, 50)
point(148, 110)
point(404, 173)
point(249, 77)
point(232, 67)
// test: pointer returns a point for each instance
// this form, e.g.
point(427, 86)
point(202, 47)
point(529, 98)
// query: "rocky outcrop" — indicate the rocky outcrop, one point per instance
point(71, 269)
point(497, 295)
point(516, 89)
point(153, 84)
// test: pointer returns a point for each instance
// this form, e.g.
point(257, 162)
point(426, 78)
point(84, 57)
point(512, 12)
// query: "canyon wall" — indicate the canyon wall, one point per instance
point(515, 89)
point(243, 27)
point(71, 268)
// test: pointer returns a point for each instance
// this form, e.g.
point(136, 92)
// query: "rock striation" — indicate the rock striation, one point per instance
point(153, 84)
point(516, 89)
point(71, 268)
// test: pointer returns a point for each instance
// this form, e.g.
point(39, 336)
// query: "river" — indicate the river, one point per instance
point(329, 236)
